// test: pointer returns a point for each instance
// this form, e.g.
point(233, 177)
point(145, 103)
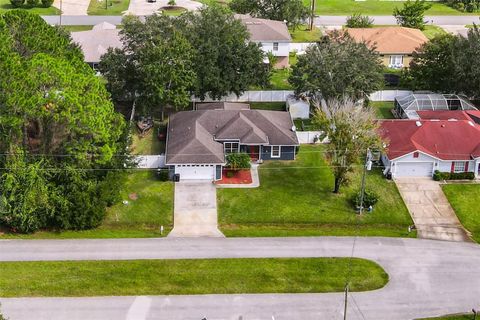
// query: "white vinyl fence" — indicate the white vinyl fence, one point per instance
point(389, 95)
point(305, 137)
point(150, 162)
point(300, 46)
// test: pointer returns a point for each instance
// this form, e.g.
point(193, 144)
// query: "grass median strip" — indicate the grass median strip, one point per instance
point(203, 276)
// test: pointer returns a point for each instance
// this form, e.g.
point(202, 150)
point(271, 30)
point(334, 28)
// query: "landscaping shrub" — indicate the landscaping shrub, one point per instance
point(238, 161)
point(464, 5)
point(47, 3)
point(438, 176)
point(32, 3)
point(230, 174)
point(17, 3)
point(359, 21)
point(163, 175)
point(370, 198)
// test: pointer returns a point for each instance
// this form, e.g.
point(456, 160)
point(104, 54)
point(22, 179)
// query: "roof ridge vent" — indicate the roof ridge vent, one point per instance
point(418, 123)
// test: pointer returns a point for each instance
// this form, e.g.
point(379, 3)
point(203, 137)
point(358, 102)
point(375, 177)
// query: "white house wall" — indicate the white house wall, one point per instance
point(283, 48)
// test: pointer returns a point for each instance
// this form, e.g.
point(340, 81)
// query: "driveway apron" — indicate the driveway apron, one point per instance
point(195, 209)
point(433, 215)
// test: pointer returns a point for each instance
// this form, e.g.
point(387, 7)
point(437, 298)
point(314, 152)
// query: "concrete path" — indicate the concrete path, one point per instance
point(430, 210)
point(144, 8)
point(72, 7)
point(427, 278)
point(195, 209)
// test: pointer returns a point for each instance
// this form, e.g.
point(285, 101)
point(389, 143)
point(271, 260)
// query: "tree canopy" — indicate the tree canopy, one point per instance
point(166, 59)
point(411, 15)
point(291, 11)
point(337, 67)
point(445, 65)
point(57, 127)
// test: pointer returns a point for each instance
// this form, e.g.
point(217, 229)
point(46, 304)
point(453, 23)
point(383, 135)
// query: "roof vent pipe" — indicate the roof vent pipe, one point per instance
point(418, 123)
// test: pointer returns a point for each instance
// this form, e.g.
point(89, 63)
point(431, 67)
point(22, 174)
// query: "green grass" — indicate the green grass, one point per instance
point(203, 276)
point(452, 317)
point(173, 12)
point(464, 200)
point(295, 198)
point(140, 218)
point(77, 28)
point(383, 109)
point(431, 31)
point(6, 5)
point(302, 34)
point(279, 79)
point(147, 144)
point(307, 125)
point(375, 7)
point(275, 106)
point(114, 7)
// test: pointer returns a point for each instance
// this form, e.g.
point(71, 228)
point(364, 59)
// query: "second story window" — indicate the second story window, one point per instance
point(275, 46)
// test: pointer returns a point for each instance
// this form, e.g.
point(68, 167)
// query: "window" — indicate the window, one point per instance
point(459, 166)
point(276, 152)
point(396, 61)
point(416, 154)
point(231, 147)
point(275, 46)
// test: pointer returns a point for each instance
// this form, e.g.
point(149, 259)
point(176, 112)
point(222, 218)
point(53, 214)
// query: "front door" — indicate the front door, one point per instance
point(254, 152)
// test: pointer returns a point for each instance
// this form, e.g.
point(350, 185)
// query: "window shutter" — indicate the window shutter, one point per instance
point(452, 170)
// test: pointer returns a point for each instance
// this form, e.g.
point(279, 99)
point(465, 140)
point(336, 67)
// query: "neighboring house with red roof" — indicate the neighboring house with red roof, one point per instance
point(199, 140)
point(394, 44)
point(416, 148)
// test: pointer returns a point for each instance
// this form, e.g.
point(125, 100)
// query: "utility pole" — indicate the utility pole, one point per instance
point(367, 166)
point(346, 303)
point(61, 6)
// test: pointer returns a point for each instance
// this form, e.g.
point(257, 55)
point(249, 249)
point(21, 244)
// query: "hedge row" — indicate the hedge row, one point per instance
point(437, 175)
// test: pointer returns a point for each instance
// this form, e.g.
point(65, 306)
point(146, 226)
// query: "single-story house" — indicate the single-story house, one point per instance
point(394, 44)
point(416, 148)
point(273, 36)
point(407, 107)
point(199, 140)
point(95, 43)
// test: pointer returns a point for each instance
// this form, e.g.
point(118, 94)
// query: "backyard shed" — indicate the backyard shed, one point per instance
point(299, 109)
point(407, 107)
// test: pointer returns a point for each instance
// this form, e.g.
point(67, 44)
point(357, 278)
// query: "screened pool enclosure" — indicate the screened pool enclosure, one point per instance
point(407, 107)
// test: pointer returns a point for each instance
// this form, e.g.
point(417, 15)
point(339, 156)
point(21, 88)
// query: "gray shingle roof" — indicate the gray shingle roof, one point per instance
point(95, 42)
point(192, 135)
point(264, 30)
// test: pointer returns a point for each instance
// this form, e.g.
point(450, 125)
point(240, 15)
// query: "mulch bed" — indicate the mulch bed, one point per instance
point(239, 177)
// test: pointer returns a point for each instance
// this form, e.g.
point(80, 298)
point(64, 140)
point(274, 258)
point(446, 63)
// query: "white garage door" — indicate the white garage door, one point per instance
point(414, 169)
point(195, 172)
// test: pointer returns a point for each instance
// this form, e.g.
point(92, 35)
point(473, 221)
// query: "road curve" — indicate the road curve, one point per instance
point(427, 278)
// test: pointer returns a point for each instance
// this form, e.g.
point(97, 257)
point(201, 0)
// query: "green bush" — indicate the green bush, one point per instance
point(412, 14)
point(438, 176)
point(32, 3)
point(238, 161)
point(47, 3)
point(359, 21)
point(17, 3)
point(370, 198)
point(230, 174)
point(163, 175)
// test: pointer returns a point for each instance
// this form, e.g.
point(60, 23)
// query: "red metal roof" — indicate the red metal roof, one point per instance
point(443, 139)
point(447, 114)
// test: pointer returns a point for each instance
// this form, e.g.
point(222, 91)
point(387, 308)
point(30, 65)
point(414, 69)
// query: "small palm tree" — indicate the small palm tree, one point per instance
point(171, 3)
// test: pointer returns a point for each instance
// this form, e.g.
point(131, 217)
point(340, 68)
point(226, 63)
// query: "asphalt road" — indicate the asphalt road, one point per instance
point(321, 20)
point(427, 278)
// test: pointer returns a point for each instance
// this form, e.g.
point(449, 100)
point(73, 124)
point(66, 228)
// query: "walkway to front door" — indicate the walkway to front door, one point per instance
point(195, 209)
point(431, 212)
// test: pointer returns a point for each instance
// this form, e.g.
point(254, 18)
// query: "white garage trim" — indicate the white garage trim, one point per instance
point(413, 169)
point(196, 171)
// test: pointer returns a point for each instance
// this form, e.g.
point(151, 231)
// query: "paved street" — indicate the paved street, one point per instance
point(319, 21)
point(427, 278)
point(430, 210)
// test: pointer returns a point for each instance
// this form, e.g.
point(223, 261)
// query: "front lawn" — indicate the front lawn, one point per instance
point(464, 200)
point(375, 7)
point(139, 218)
point(111, 8)
point(452, 317)
point(6, 5)
point(303, 34)
point(189, 276)
point(432, 31)
point(295, 199)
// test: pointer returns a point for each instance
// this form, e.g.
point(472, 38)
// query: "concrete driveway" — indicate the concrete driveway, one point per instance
point(195, 209)
point(430, 210)
point(426, 278)
point(144, 8)
point(72, 7)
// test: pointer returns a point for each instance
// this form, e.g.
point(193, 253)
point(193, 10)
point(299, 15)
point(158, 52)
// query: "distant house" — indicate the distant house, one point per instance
point(95, 43)
point(416, 148)
point(272, 35)
point(394, 44)
point(198, 141)
point(408, 107)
